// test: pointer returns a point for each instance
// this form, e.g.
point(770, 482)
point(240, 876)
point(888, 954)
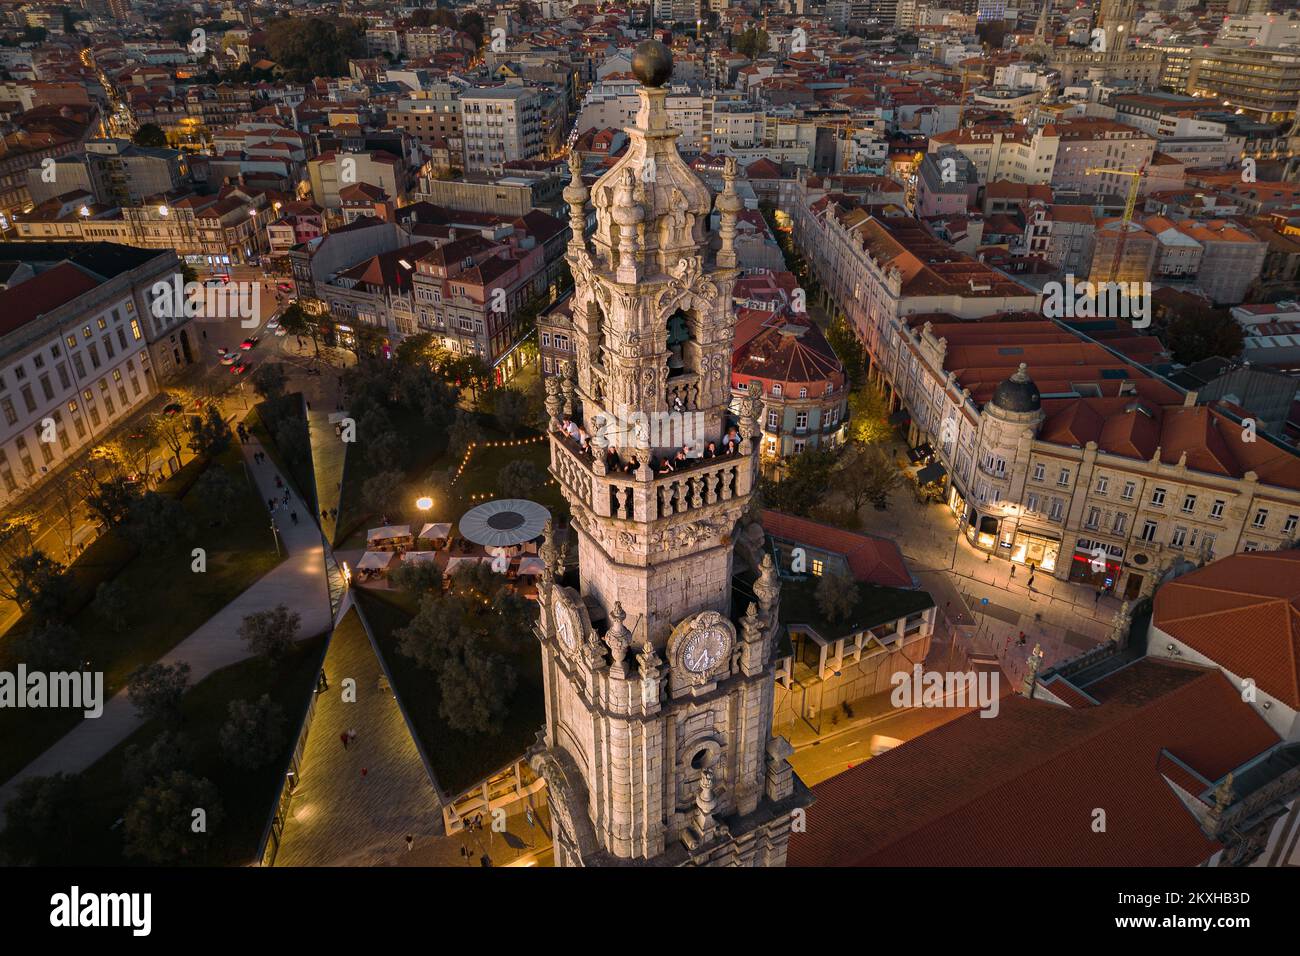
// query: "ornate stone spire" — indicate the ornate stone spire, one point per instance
point(768, 585)
point(618, 637)
point(729, 206)
point(628, 215)
point(575, 194)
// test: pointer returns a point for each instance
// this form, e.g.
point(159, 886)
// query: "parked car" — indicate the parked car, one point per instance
point(240, 368)
point(249, 343)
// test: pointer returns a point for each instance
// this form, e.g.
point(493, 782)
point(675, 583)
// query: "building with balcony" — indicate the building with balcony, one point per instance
point(786, 359)
point(501, 124)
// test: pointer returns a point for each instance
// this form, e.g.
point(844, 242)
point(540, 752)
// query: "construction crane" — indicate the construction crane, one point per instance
point(1135, 180)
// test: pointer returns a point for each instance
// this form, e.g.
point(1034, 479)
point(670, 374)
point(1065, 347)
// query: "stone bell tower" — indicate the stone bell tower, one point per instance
point(657, 747)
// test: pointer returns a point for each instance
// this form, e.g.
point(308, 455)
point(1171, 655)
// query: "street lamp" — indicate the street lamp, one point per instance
point(424, 503)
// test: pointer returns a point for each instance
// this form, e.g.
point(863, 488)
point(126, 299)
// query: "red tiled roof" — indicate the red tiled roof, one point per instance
point(1021, 789)
point(1243, 613)
point(872, 560)
point(42, 293)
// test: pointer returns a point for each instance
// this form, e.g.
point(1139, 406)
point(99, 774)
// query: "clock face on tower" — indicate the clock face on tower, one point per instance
point(705, 649)
point(566, 628)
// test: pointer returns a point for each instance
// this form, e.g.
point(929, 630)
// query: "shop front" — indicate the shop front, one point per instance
point(1035, 550)
point(1096, 564)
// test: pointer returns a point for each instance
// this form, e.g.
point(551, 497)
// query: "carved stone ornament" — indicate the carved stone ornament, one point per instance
point(688, 287)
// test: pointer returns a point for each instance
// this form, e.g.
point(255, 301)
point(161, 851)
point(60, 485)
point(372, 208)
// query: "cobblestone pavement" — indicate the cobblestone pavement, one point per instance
point(1065, 618)
point(355, 805)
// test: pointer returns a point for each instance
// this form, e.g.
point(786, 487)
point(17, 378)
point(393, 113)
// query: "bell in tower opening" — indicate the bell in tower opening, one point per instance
point(659, 687)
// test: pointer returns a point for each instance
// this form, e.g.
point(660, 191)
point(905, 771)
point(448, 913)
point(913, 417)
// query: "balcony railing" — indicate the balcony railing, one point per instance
point(695, 484)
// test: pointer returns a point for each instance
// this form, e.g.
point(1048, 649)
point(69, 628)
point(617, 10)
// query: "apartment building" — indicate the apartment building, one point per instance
point(998, 151)
point(501, 124)
point(1262, 81)
point(1089, 469)
point(1090, 149)
point(333, 171)
point(1062, 236)
point(114, 171)
point(80, 351)
point(215, 231)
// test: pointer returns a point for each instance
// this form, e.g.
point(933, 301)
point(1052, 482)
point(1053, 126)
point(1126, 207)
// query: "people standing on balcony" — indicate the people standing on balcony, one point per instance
point(731, 443)
point(666, 466)
point(711, 450)
point(612, 461)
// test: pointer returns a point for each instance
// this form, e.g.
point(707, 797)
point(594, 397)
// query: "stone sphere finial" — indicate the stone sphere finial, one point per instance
point(652, 63)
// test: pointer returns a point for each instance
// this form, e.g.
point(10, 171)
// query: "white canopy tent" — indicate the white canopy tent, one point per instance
point(441, 529)
point(376, 561)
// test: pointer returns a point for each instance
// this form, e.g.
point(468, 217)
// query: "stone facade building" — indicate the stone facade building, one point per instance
point(657, 747)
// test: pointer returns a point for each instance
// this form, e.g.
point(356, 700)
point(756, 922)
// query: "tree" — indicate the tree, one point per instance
point(1202, 332)
point(313, 46)
point(156, 690)
point(807, 477)
point(171, 430)
point(472, 23)
point(39, 585)
point(752, 43)
point(50, 646)
point(419, 579)
point(111, 603)
point(254, 732)
point(380, 492)
point(218, 494)
point(869, 417)
point(209, 433)
point(837, 596)
point(168, 752)
point(269, 380)
point(157, 519)
point(270, 634)
point(112, 501)
point(519, 479)
point(385, 451)
point(41, 821)
point(865, 474)
point(848, 349)
point(297, 323)
point(160, 826)
point(464, 432)
point(17, 540)
point(475, 689)
point(511, 407)
point(150, 134)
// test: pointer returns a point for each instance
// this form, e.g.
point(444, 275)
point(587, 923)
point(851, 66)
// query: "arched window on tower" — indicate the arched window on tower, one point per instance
point(681, 345)
point(601, 327)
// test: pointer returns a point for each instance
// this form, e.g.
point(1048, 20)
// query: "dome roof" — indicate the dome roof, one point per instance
point(1018, 393)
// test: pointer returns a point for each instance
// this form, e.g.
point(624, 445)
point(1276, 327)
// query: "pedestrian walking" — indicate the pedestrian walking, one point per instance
point(278, 482)
point(1013, 570)
point(410, 843)
point(344, 737)
point(1096, 598)
point(293, 516)
point(270, 504)
point(352, 735)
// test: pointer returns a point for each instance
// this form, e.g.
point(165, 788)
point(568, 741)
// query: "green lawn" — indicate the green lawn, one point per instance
point(459, 760)
point(246, 796)
point(428, 450)
point(480, 475)
point(170, 602)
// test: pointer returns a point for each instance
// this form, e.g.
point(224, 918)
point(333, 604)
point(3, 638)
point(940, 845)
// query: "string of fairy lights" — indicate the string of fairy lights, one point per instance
point(469, 453)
